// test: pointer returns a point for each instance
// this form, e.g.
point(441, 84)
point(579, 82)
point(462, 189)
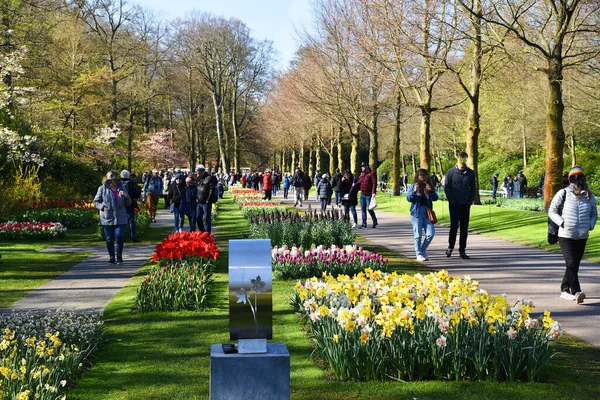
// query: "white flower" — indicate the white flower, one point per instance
point(441, 341)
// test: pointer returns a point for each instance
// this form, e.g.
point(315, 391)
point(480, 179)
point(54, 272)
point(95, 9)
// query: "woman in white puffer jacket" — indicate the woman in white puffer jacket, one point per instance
point(578, 217)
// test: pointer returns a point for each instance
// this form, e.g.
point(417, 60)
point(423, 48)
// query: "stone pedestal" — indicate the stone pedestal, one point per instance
point(250, 376)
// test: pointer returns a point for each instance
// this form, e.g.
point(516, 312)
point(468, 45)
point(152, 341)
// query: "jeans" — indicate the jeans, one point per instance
point(207, 209)
point(324, 204)
point(420, 223)
point(494, 190)
point(352, 208)
point(131, 223)
point(573, 253)
point(199, 217)
point(274, 190)
point(114, 233)
point(285, 192)
point(192, 219)
point(338, 198)
point(299, 195)
point(179, 219)
point(364, 207)
point(459, 214)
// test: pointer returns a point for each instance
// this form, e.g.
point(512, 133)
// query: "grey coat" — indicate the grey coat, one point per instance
point(110, 213)
point(578, 216)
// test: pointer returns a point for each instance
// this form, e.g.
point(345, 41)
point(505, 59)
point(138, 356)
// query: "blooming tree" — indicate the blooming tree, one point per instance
point(159, 150)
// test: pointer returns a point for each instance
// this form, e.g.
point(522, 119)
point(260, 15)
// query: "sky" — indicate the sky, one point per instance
point(275, 20)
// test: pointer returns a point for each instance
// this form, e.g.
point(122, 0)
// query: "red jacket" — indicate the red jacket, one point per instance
point(367, 182)
point(267, 184)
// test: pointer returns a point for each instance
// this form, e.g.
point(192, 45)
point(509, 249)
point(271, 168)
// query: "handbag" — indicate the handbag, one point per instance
point(431, 215)
point(373, 203)
point(552, 226)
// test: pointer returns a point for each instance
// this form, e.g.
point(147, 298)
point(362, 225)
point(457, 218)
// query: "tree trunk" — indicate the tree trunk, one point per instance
point(573, 152)
point(425, 138)
point(414, 166)
point(293, 166)
point(403, 162)
point(130, 140)
point(332, 166)
point(524, 144)
point(474, 123)
point(555, 135)
point(191, 122)
point(302, 157)
point(354, 163)
point(373, 140)
point(218, 104)
point(396, 163)
point(340, 149)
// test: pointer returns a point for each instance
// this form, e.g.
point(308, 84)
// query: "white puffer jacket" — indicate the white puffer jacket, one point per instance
point(578, 217)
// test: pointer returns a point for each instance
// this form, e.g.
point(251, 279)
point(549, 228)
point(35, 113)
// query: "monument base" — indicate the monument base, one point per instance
point(250, 376)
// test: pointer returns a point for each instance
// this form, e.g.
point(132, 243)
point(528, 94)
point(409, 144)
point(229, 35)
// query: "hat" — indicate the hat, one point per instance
point(576, 170)
point(364, 164)
point(200, 168)
point(155, 171)
point(125, 174)
point(178, 176)
point(496, 174)
point(324, 176)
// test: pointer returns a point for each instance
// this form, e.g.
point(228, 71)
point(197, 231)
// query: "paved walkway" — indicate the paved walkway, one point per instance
point(91, 284)
point(500, 267)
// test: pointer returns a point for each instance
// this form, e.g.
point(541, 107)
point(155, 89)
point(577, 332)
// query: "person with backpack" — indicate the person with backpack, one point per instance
point(298, 184)
point(324, 191)
point(336, 182)
point(287, 182)
point(578, 217)
point(134, 192)
point(153, 188)
point(494, 183)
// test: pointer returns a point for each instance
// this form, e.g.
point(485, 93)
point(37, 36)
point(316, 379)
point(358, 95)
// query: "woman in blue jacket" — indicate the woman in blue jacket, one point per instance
point(421, 194)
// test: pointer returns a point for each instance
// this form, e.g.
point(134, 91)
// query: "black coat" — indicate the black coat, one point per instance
point(346, 187)
point(206, 189)
point(336, 181)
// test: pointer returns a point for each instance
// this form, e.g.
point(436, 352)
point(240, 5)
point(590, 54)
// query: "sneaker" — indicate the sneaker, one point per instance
point(295, 204)
point(119, 260)
point(112, 261)
point(464, 256)
point(568, 296)
point(448, 252)
point(421, 258)
point(425, 256)
point(579, 297)
point(363, 227)
point(354, 226)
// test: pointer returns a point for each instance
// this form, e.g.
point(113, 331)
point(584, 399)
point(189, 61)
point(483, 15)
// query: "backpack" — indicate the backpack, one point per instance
point(492, 181)
point(552, 227)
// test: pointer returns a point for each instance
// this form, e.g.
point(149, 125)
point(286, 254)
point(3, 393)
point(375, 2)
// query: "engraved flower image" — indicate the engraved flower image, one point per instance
point(244, 295)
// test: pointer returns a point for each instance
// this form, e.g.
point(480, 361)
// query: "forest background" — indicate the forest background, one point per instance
point(92, 85)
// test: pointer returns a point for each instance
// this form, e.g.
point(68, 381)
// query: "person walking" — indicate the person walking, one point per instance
point(287, 182)
point(133, 190)
point(298, 183)
point(112, 200)
point(494, 182)
point(153, 188)
point(267, 185)
point(165, 193)
point(306, 186)
point(578, 217)
point(460, 192)
point(336, 181)
point(367, 182)
point(522, 183)
point(349, 197)
point(421, 194)
point(176, 196)
point(205, 196)
point(324, 192)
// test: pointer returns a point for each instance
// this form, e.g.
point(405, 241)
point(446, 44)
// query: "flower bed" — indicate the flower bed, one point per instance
point(181, 279)
point(377, 326)
point(55, 203)
point(305, 231)
point(246, 195)
point(31, 230)
point(40, 355)
point(261, 207)
point(69, 217)
point(297, 263)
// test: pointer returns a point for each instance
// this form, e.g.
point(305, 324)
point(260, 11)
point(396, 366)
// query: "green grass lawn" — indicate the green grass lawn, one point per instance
point(167, 355)
point(524, 227)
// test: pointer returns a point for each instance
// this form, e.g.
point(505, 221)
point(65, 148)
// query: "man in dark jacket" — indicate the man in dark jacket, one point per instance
point(307, 186)
point(205, 197)
point(522, 183)
point(298, 184)
point(336, 181)
point(460, 192)
point(494, 182)
point(134, 192)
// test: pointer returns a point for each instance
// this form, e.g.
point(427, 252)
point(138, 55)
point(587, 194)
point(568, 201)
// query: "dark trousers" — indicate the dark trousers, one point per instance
point(459, 215)
point(285, 192)
point(268, 193)
point(306, 194)
point(199, 217)
point(494, 191)
point(573, 253)
point(131, 222)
